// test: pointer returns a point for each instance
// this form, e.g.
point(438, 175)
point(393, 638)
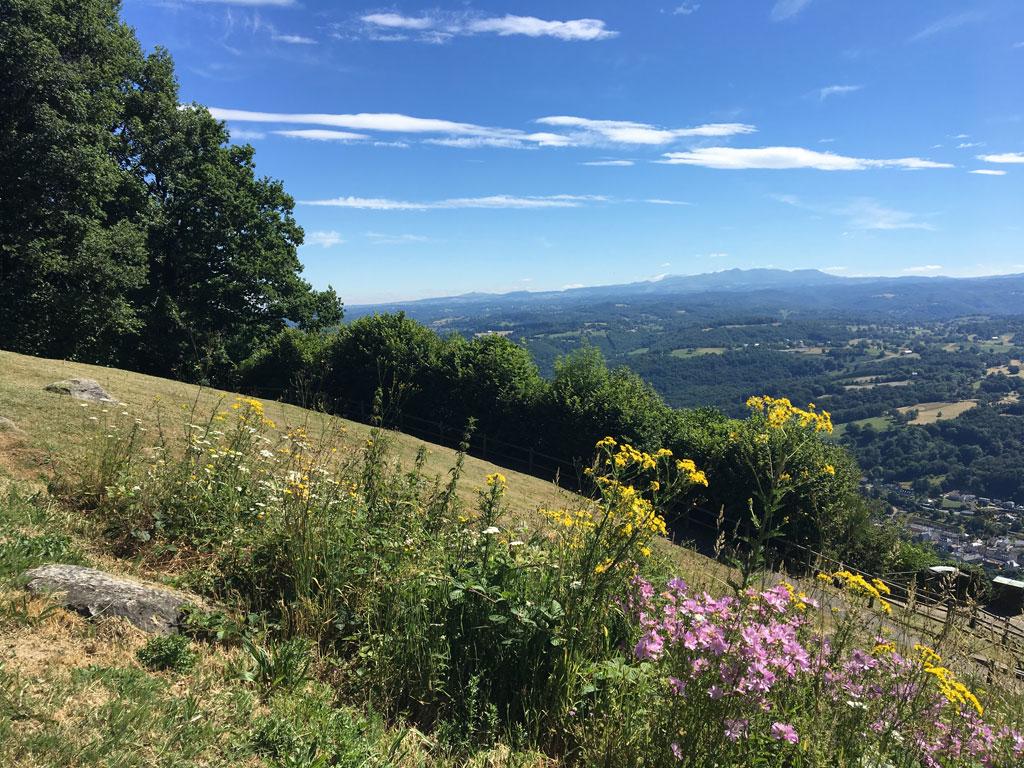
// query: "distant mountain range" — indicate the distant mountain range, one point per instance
point(753, 289)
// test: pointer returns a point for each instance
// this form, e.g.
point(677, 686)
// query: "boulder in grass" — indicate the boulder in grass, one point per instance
point(81, 389)
point(6, 425)
point(97, 594)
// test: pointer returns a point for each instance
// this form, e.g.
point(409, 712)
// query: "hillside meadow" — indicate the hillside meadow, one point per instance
point(370, 600)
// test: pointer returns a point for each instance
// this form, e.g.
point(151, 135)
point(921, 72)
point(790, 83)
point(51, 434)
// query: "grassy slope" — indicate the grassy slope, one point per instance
point(52, 425)
point(73, 693)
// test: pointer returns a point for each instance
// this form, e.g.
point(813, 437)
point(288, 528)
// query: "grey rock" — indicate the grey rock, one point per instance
point(80, 389)
point(97, 594)
point(6, 425)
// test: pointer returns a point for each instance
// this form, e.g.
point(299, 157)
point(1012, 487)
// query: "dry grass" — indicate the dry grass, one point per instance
point(929, 413)
point(1005, 369)
point(53, 426)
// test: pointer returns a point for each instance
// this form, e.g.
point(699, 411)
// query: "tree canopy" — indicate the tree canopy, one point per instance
point(131, 231)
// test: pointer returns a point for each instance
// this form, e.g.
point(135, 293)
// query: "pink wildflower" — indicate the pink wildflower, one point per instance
point(784, 732)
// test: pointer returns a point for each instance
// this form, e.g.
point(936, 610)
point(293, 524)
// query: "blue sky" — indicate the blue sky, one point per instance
point(436, 149)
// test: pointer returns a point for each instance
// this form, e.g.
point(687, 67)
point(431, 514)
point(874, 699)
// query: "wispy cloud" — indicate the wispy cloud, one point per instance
point(947, 23)
point(398, 21)
point(390, 123)
point(781, 158)
point(577, 29)
point(241, 134)
point(784, 9)
point(866, 213)
point(970, 144)
point(441, 27)
point(835, 270)
point(837, 90)
point(609, 163)
point(924, 269)
point(860, 213)
point(988, 172)
point(1004, 157)
point(253, 3)
point(321, 134)
point(324, 238)
point(576, 131)
point(685, 9)
point(663, 201)
point(590, 131)
point(380, 238)
point(293, 39)
point(515, 141)
point(490, 201)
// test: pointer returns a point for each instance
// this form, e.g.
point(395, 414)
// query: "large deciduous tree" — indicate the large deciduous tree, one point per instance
point(131, 230)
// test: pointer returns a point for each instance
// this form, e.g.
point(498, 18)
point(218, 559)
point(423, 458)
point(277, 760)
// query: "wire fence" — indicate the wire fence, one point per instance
point(935, 599)
point(529, 460)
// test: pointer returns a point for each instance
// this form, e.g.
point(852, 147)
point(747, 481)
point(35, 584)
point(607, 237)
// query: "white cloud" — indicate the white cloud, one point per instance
point(321, 134)
point(686, 9)
point(397, 21)
point(576, 29)
point(630, 132)
point(783, 9)
point(1005, 157)
point(921, 270)
point(269, 3)
point(490, 201)
point(571, 286)
point(834, 270)
point(245, 135)
point(780, 158)
point(970, 144)
point(324, 239)
point(837, 90)
point(442, 27)
point(609, 163)
point(379, 238)
point(947, 23)
point(294, 39)
point(988, 172)
point(663, 201)
point(368, 121)
point(580, 131)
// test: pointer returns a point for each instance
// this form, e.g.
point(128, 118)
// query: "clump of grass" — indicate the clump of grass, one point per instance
point(24, 542)
point(280, 666)
point(167, 653)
